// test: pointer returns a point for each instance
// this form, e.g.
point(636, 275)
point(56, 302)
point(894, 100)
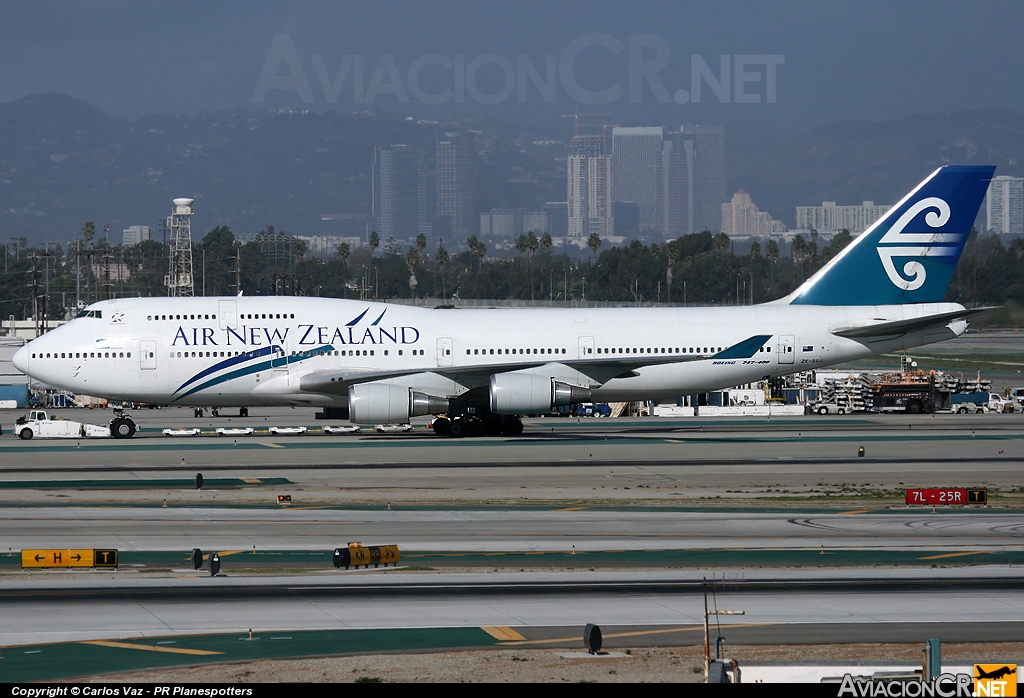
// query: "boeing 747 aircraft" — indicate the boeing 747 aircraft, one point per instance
point(483, 369)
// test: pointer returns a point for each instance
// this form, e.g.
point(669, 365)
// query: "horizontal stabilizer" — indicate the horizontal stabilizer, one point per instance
point(885, 328)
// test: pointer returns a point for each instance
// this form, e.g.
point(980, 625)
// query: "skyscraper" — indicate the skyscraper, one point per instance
point(457, 175)
point(400, 193)
point(590, 187)
point(637, 153)
point(674, 192)
point(691, 180)
point(1004, 205)
point(709, 176)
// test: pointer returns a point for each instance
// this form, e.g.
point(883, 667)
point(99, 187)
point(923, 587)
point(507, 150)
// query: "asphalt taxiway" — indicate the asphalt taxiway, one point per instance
point(610, 521)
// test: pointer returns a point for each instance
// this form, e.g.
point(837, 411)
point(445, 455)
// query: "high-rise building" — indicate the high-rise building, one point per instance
point(344, 225)
point(590, 187)
point(1004, 206)
point(558, 217)
point(709, 176)
point(457, 176)
point(522, 194)
point(674, 192)
point(627, 218)
point(637, 153)
point(741, 218)
point(829, 217)
point(690, 188)
point(134, 234)
point(400, 193)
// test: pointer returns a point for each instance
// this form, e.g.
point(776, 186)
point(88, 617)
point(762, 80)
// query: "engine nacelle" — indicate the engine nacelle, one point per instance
point(526, 393)
point(381, 403)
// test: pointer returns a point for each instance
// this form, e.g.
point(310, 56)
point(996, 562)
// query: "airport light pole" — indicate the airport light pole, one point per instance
point(707, 638)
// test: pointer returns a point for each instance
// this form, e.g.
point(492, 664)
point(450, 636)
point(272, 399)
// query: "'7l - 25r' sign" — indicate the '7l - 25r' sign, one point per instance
point(945, 496)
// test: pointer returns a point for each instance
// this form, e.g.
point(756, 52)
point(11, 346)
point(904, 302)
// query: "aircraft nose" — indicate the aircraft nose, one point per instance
point(20, 359)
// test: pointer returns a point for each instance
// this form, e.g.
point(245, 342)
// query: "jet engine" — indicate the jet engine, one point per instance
point(381, 403)
point(526, 393)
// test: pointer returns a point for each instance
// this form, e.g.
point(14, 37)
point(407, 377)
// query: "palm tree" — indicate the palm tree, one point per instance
point(344, 251)
point(481, 251)
point(521, 245)
point(755, 250)
point(374, 242)
point(672, 253)
point(545, 242)
point(594, 242)
point(421, 243)
point(532, 244)
point(412, 258)
point(476, 249)
point(442, 261)
point(89, 232)
point(773, 255)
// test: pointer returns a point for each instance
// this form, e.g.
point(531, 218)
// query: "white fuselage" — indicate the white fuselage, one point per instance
point(255, 350)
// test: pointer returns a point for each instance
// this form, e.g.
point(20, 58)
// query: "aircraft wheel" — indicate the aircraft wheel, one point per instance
point(243, 412)
point(457, 428)
point(442, 426)
point(25, 434)
point(122, 428)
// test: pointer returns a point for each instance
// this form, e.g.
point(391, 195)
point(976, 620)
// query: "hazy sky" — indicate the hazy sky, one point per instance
point(793, 64)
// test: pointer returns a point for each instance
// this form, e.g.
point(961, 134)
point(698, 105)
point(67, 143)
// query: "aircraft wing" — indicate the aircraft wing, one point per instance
point(880, 327)
point(338, 381)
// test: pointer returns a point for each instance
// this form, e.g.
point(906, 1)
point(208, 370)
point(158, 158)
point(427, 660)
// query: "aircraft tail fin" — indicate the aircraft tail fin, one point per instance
point(909, 254)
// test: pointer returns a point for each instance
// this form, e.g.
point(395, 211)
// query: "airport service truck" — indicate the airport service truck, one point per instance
point(912, 397)
point(39, 424)
point(977, 402)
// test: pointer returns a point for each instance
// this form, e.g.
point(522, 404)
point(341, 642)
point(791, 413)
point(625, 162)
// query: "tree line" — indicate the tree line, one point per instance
point(698, 269)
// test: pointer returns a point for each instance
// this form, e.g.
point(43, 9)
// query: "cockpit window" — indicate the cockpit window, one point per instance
point(90, 313)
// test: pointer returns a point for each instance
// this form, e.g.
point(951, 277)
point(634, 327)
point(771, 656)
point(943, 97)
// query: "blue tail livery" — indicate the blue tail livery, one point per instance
point(909, 255)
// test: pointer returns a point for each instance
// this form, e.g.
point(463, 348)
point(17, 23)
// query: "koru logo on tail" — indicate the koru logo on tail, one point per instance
point(896, 243)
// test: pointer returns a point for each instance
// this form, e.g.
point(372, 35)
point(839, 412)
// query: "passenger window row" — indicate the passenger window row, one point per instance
point(181, 317)
point(475, 352)
point(84, 355)
point(662, 350)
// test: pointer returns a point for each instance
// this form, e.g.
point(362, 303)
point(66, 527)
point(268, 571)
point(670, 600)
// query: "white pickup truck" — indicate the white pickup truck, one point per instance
point(39, 424)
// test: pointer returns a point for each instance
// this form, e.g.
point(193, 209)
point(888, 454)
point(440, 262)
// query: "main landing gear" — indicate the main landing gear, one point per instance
point(122, 426)
point(469, 425)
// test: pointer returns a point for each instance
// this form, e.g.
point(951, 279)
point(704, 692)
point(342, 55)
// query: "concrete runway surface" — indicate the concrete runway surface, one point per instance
point(123, 608)
point(502, 529)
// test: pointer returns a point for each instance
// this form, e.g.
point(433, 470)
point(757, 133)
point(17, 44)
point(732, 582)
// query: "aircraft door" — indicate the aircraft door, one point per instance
point(147, 355)
point(586, 347)
point(786, 350)
point(227, 313)
point(444, 351)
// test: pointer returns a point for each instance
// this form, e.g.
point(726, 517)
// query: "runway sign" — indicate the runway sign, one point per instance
point(946, 496)
point(68, 558)
point(956, 496)
point(357, 554)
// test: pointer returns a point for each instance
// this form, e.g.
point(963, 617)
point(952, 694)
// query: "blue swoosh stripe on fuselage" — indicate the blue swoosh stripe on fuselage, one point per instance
point(227, 363)
point(261, 366)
